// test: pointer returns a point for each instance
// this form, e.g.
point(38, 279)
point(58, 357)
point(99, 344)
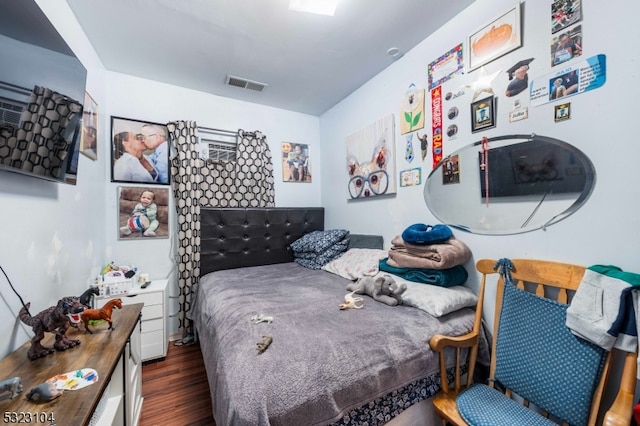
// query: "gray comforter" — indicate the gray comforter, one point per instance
point(322, 362)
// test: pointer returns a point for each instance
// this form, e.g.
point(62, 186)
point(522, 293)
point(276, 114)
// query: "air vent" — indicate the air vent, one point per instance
point(243, 83)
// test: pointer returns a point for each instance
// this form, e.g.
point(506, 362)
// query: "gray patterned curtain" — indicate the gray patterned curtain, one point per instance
point(186, 180)
point(247, 182)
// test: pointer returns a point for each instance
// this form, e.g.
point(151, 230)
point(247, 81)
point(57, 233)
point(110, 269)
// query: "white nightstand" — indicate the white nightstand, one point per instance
point(155, 333)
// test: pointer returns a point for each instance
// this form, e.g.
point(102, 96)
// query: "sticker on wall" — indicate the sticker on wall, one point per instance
point(482, 84)
point(581, 77)
point(436, 124)
point(408, 151)
point(451, 170)
point(518, 77)
point(452, 131)
point(450, 95)
point(412, 110)
point(565, 13)
point(445, 67)
point(518, 114)
point(424, 145)
point(566, 46)
point(562, 112)
point(371, 160)
point(411, 177)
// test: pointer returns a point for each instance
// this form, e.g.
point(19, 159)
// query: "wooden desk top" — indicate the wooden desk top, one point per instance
point(100, 351)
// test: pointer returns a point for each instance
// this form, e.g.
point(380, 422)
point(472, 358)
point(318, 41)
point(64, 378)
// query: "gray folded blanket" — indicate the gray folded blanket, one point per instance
point(444, 255)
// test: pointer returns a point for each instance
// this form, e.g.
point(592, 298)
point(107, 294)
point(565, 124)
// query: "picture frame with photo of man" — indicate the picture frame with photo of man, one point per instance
point(483, 114)
point(139, 151)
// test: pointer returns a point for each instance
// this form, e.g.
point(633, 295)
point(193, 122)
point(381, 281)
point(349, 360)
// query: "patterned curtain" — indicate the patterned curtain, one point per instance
point(186, 180)
point(247, 182)
point(40, 144)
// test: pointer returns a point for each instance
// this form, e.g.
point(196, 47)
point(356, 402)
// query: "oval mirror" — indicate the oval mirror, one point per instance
point(509, 184)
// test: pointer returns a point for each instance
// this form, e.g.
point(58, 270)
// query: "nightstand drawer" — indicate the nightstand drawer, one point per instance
point(153, 345)
point(148, 299)
point(151, 312)
point(152, 325)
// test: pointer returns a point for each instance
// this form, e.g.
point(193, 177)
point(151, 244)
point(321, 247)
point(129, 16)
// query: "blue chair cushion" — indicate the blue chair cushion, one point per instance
point(481, 405)
point(538, 357)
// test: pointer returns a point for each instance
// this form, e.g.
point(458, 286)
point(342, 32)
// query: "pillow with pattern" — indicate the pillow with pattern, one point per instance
point(318, 241)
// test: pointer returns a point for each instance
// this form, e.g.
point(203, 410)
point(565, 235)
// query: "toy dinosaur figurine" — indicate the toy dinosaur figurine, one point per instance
point(53, 320)
point(101, 314)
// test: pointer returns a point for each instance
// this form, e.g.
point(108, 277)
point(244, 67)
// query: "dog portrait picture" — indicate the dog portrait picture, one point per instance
point(371, 160)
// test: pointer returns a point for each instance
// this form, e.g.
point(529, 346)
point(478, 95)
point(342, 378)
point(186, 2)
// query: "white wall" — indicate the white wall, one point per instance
point(52, 234)
point(56, 238)
point(146, 100)
point(605, 230)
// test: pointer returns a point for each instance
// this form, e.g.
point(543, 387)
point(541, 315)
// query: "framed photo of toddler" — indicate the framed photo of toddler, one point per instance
point(143, 212)
point(139, 151)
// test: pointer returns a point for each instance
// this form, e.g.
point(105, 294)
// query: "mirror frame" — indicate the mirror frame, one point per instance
point(589, 185)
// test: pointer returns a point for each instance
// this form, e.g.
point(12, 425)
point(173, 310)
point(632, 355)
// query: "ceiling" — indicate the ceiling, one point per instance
point(309, 62)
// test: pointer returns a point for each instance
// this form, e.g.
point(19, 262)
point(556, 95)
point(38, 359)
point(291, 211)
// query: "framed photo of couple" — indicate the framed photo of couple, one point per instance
point(139, 151)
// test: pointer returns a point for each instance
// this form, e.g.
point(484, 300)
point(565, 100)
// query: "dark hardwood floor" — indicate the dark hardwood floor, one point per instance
point(175, 389)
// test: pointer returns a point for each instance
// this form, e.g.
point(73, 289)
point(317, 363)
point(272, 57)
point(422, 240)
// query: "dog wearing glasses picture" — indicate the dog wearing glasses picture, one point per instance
point(370, 177)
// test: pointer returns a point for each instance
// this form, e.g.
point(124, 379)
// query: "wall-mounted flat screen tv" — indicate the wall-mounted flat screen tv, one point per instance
point(42, 86)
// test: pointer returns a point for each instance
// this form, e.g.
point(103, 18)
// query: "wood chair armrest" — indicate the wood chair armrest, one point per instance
point(622, 408)
point(439, 342)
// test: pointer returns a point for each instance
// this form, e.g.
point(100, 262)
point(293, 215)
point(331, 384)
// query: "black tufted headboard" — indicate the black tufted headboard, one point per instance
point(240, 237)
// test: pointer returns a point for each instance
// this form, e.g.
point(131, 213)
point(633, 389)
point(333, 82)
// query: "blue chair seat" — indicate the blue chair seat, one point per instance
point(482, 405)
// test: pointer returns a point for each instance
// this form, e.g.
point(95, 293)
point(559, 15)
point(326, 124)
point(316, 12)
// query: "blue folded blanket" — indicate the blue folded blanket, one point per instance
point(448, 277)
point(419, 233)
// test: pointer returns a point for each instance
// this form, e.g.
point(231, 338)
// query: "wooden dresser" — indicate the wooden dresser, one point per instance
point(115, 398)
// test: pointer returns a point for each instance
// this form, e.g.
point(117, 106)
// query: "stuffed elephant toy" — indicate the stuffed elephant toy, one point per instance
point(382, 288)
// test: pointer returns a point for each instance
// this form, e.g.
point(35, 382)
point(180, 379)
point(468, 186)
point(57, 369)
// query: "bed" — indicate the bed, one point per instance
point(324, 365)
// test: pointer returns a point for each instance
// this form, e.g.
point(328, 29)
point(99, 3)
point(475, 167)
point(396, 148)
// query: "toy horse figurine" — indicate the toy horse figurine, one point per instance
point(101, 314)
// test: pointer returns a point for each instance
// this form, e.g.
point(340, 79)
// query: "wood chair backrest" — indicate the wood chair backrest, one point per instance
point(557, 281)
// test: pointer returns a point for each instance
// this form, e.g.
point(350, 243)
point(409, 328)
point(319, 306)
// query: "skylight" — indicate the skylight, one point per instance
point(321, 7)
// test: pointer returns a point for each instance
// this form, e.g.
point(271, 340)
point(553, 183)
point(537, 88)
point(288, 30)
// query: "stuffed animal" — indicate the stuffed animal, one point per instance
point(382, 288)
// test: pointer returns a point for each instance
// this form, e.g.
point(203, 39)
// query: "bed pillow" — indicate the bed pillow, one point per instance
point(436, 300)
point(366, 241)
point(318, 241)
point(356, 263)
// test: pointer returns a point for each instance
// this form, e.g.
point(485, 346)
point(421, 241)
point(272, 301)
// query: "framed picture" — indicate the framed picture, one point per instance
point(143, 212)
point(483, 114)
point(562, 112)
point(89, 136)
point(500, 36)
point(371, 163)
point(139, 151)
point(296, 165)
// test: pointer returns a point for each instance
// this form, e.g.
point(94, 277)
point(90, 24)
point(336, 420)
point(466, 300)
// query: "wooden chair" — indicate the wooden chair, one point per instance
point(539, 367)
